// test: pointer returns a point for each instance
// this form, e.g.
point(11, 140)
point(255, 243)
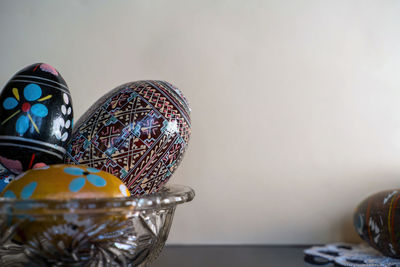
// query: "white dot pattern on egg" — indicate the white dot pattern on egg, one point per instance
point(66, 99)
point(61, 124)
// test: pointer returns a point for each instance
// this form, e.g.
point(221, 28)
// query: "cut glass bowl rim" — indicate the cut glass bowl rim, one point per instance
point(167, 197)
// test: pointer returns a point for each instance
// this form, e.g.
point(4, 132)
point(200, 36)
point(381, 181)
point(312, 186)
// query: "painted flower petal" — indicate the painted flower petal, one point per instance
point(77, 184)
point(10, 103)
point(22, 124)
point(28, 190)
point(66, 99)
point(94, 170)
point(32, 92)
point(47, 68)
point(10, 194)
point(124, 190)
point(39, 110)
point(14, 166)
point(96, 180)
point(64, 137)
point(74, 171)
point(40, 166)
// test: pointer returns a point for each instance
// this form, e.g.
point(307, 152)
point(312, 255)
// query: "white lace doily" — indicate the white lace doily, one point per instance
point(344, 254)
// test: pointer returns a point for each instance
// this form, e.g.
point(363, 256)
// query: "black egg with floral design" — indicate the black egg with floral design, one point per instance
point(35, 119)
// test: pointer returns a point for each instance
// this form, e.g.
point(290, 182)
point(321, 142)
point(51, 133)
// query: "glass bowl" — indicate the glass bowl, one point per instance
point(127, 231)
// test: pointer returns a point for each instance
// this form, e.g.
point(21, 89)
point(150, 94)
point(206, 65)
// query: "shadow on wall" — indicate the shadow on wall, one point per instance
point(347, 233)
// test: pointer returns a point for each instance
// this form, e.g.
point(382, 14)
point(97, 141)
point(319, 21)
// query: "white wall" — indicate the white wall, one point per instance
point(296, 104)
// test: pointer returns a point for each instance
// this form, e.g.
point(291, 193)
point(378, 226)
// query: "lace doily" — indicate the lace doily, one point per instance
point(344, 254)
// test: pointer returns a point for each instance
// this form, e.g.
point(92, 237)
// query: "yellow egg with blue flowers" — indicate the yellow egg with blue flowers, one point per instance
point(65, 182)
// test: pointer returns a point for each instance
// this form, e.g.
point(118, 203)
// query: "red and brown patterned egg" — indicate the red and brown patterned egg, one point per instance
point(35, 119)
point(377, 221)
point(138, 132)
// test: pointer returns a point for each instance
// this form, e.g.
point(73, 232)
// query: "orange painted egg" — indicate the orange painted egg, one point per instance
point(65, 182)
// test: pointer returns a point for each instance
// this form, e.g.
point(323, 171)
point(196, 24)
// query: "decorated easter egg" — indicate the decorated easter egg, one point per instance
point(35, 118)
point(138, 132)
point(377, 221)
point(63, 181)
point(6, 177)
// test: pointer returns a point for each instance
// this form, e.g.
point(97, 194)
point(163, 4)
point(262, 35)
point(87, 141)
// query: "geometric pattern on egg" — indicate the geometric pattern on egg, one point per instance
point(138, 132)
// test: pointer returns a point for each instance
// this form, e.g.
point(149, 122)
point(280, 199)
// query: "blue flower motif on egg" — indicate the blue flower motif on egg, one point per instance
point(26, 192)
point(28, 106)
point(79, 182)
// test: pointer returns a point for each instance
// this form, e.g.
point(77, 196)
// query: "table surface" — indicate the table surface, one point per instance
point(232, 256)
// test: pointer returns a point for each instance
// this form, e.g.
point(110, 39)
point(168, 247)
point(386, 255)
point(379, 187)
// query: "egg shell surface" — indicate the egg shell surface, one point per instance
point(6, 177)
point(65, 182)
point(377, 221)
point(36, 118)
point(138, 132)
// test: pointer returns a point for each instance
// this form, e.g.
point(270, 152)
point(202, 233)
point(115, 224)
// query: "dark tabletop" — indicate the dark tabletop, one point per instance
point(280, 256)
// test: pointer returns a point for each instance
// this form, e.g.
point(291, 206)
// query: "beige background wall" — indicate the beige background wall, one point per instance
point(296, 104)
